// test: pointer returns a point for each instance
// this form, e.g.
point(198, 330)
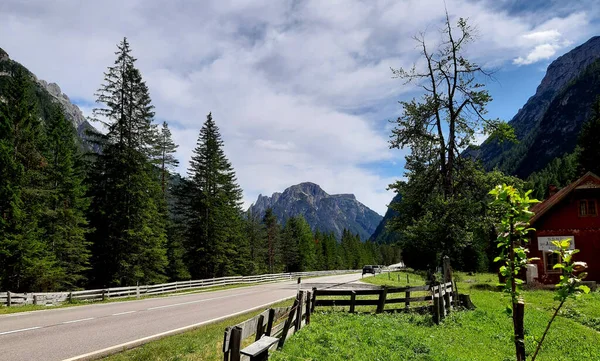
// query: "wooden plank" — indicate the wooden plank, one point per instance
point(308, 299)
point(347, 292)
point(225, 338)
point(411, 299)
point(259, 346)
point(346, 302)
point(287, 325)
point(299, 309)
point(236, 343)
point(270, 322)
point(260, 327)
point(248, 328)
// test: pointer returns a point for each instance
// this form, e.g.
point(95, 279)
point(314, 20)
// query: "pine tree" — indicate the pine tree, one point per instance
point(589, 142)
point(164, 156)
point(25, 262)
point(272, 234)
point(256, 234)
point(128, 241)
point(215, 246)
point(64, 221)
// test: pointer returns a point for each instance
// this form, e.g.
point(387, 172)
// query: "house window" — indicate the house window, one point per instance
point(588, 208)
point(550, 260)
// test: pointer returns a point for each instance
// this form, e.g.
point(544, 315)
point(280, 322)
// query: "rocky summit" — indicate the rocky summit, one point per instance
point(48, 91)
point(323, 211)
point(548, 124)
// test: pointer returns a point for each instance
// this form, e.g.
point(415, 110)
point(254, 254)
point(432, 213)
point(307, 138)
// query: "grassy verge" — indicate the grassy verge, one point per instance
point(483, 334)
point(28, 308)
point(205, 343)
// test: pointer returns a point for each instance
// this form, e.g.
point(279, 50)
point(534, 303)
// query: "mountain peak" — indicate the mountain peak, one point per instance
point(328, 213)
point(3, 55)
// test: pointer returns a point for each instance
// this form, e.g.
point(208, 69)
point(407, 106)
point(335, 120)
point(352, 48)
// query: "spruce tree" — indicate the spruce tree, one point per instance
point(128, 241)
point(25, 262)
point(64, 221)
point(256, 234)
point(164, 156)
point(589, 142)
point(215, 246)
point(272, 234)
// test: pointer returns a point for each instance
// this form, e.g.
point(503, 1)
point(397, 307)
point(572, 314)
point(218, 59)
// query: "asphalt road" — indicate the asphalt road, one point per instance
point(70, 333)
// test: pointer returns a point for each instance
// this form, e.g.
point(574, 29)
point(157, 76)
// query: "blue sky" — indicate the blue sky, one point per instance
point(301, 89)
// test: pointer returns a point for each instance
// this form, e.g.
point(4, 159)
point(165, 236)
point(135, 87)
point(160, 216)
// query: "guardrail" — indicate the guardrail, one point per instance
point(53, 298)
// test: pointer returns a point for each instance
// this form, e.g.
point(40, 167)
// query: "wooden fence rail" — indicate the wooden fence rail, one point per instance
point(445, 290)
point(270, 328)
point(54, 298)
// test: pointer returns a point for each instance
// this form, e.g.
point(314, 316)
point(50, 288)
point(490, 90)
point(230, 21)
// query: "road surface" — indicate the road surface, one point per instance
point(69, 333)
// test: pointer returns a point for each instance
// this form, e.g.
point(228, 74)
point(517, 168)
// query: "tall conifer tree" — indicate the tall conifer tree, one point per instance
point(589, 142)
point(213, 238)
point(129, 236)
point(64, 221)
point(25, 262)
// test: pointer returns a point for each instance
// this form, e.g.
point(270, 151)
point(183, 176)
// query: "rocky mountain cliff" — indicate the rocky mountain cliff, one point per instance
point(46, 92)
point(382, 234)
point(548, 124)
point(328, 213)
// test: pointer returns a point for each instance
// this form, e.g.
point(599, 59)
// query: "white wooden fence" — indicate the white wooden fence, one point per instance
point(54, 298)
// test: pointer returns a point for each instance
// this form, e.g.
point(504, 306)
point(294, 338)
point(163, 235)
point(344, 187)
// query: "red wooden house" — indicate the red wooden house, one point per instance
point(572, 212)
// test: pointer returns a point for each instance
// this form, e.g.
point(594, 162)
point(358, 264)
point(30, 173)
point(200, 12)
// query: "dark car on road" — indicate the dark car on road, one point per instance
point(368, 269)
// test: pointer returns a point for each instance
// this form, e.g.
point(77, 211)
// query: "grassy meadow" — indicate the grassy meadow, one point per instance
point(482, 334)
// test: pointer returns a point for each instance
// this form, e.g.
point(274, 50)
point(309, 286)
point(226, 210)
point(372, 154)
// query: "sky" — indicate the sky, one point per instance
point(301, 90)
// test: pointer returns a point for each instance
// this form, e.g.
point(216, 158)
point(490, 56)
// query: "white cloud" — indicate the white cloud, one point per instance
point(301, 90)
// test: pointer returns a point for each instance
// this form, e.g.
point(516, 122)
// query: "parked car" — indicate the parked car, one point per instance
point(368, 269)
point(376, 268)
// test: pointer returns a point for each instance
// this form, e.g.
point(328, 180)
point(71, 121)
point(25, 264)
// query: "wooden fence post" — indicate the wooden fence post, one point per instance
point(407, 300)
point(70, 297)
point(382, 298)
point(270, 322)
point(8, 299)
point(442, 301)
point(436, 309)
point(314, 300)
point(447, 299)
point(308, 300)
point(103, 295)
point(299, 310)
point(260, 327)
point(35, 299)
point(235, 343)
point(352, 301)
point(226, 349)
point(137, 291)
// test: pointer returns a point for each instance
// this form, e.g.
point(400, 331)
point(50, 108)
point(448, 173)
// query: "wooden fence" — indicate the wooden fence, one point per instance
point(55, 298)
point(270, 329)
point(409, 295)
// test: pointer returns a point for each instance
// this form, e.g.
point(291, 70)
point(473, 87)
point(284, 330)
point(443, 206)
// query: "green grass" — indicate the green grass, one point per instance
point(482, 334)
point(202, 344)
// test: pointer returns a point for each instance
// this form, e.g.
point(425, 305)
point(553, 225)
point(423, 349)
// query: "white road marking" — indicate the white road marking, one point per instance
point(123, 313)
point(81, 320)
point(21, 330)
point(197, 301)
point(127, 345)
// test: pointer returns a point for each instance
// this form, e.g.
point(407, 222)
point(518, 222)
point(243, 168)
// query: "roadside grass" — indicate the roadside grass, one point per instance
point(28, 308)
point(482, 334)
point(202, 344)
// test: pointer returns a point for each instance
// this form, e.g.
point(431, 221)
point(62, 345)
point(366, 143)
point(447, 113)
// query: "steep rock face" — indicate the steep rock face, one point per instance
point(547, 119)
point(328, 213)
point(382, 234)
point(48, 92)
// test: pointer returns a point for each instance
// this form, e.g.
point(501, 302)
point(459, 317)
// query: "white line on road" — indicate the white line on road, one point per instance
point(123, 313)
point(21, 330)
point(127, 345)
point(197, 301)
point(81, 320)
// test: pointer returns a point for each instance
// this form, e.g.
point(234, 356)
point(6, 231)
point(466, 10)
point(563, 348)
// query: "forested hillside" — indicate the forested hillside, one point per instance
point(80, 208)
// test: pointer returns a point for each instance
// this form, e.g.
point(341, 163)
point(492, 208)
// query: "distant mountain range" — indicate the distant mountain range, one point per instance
point(328, 213)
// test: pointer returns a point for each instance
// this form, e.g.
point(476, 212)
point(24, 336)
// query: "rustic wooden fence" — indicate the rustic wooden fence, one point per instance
point(54, 298)
point(270, 329)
